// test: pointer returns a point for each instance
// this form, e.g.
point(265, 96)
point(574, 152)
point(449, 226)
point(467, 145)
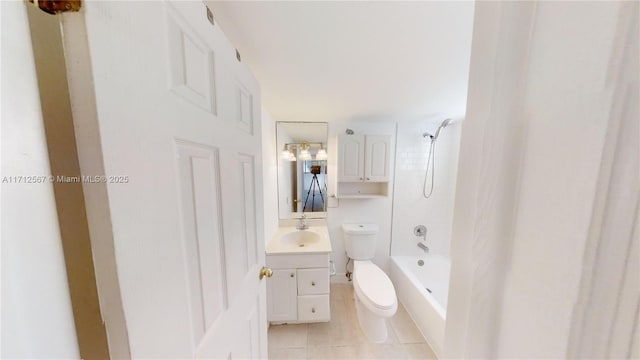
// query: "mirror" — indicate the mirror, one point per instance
point(302, 169)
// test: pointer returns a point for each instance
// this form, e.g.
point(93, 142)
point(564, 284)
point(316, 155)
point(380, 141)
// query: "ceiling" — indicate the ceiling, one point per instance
point(330, 61)
point(307, 132)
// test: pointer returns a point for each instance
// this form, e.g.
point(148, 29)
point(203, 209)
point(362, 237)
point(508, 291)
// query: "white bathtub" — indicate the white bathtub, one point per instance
point(428, 309)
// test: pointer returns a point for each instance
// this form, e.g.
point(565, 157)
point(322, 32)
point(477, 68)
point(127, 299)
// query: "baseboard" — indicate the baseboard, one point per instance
point(340, 278)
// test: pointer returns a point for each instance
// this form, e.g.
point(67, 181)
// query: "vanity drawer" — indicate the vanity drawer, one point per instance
point(313, 308)
point(304, 261)
point(313, 281)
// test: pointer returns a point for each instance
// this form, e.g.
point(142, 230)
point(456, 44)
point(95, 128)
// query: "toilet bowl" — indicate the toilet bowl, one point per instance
point(375, 299)
point(374, 293)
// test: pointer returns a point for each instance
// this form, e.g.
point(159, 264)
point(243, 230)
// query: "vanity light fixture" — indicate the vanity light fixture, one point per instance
point(304, 153)
point(285, 154)
point(321, 154)
point(289, 151)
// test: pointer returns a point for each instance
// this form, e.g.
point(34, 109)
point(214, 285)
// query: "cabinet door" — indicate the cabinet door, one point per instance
point(282, 296)
point(378, 149)
point(350, 158)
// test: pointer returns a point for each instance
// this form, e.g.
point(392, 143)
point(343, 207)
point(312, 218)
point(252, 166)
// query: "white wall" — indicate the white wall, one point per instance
point(269, 175)
point(410, 208)
point(37, 320)
point(377, 211)
point(539, 109)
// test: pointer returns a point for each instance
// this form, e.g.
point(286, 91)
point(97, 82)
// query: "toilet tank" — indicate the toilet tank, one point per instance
point(360, 240)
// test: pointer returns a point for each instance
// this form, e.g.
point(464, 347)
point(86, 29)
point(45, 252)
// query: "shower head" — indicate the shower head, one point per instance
point(444, 124)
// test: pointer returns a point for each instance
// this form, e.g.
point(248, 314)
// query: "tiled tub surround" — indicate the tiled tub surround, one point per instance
point(341, 338)
point(410, 208)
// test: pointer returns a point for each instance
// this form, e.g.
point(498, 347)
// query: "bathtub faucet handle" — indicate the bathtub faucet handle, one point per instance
point(421, 231)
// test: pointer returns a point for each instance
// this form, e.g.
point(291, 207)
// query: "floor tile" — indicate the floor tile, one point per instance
point(419, 351)
point(404, 327)
point(332, 352)
point(334, 333)
point(288, 353)
point(287, 336)
point(382, 351)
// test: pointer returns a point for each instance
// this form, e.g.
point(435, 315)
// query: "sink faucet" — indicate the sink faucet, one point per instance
point(423, 247)
point(302, 225)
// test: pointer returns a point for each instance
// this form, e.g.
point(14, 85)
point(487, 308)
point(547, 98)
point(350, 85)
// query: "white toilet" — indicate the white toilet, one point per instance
point(374, 293)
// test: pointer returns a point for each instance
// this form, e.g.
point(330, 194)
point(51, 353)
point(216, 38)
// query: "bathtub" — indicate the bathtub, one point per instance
point(428, 308)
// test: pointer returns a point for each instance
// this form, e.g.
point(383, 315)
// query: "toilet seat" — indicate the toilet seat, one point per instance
point(374, 287)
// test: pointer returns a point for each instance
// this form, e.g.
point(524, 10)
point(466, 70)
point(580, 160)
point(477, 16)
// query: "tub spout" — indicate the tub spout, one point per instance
point(423, 247)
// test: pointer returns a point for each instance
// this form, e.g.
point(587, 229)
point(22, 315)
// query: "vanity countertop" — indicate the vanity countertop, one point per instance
point(289, 240)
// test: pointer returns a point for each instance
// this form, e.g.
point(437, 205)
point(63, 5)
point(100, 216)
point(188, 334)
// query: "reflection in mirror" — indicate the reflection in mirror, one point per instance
point(302, 169)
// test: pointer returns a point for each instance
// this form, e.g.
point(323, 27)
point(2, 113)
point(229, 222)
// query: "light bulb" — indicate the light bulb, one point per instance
point(321, 154)
point(305, 155)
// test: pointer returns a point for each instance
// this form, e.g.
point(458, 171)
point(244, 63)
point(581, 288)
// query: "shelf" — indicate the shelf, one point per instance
point(362, 190)
point(363, 196)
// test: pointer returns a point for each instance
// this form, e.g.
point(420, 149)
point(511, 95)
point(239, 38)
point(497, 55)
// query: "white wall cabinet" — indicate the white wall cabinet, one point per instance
point(363, 165)
point(298, 291)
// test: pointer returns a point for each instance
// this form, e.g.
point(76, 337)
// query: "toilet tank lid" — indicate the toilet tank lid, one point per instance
point(362, 229)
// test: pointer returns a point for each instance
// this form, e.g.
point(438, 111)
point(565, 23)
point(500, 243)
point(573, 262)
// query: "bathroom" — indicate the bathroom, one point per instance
point(407, 197)
point(321, 180)
point(417, 330)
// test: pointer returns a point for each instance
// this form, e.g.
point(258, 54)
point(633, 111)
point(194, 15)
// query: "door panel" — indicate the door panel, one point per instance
point(179, 116)
point(191, 62)
point(202, 234)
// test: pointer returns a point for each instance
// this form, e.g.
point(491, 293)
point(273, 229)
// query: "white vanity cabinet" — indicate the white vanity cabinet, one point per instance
point(363, 165)
point(298, 291)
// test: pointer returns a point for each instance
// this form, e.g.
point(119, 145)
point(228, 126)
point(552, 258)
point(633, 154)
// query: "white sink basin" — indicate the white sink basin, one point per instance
point(300, 238)
point(289, 240)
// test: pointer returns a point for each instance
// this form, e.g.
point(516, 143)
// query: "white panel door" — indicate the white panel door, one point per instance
point(179, 121)
point(377, 158)
point(350, 158)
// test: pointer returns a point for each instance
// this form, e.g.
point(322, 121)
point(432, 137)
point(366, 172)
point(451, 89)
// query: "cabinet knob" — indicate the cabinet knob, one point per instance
point(313, 310)
point(313, 283)
point(292, 275)
point(368, 179)
point(360, 178)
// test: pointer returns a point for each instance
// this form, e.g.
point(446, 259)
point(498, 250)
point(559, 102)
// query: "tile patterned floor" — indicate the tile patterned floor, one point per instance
point(341, 338)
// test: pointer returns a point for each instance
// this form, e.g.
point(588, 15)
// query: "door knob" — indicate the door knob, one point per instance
point(265, 272)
